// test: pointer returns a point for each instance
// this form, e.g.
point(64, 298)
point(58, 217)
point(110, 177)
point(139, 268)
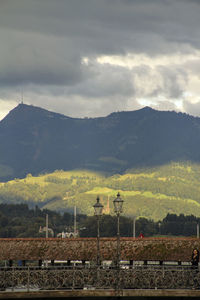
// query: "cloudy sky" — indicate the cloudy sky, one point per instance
point(92, 57)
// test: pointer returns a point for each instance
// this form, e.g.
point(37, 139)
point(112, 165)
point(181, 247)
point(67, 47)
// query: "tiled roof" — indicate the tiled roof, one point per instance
point(85, 248)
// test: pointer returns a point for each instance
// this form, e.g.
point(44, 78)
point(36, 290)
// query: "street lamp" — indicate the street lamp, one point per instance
point(134, 219)
point(98, 208)
point(197, 230)
point(159, 228)
point(118, 203)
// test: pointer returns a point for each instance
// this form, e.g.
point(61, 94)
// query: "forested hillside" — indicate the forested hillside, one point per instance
point(18, 220)
point(34, 140)
point(148, 192)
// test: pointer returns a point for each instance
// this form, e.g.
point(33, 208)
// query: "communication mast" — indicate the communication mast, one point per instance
point(75, 233)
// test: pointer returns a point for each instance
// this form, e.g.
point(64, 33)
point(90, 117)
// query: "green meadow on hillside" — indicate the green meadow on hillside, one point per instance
point(148, 192)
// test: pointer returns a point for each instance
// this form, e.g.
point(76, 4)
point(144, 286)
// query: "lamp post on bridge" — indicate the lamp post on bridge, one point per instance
point(134, 220)
point(98, 208)
point(118, 203)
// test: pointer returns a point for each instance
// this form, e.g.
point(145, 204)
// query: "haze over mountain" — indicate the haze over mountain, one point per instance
point(34, 140)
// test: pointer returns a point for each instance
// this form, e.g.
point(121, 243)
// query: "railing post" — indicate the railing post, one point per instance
point(52, 262)
point(13, 279)
point(73, 283)
point(97, 278)
point(39, 263)
point(10, 263)
point(28, 281)
point(131, 264)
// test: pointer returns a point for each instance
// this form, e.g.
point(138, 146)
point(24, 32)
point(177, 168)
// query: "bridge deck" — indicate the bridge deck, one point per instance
point(100, 293)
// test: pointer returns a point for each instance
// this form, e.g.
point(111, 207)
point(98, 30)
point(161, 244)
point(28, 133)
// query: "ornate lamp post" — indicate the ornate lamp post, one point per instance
point(98, 208)
point(118, 203)
point(134, 221)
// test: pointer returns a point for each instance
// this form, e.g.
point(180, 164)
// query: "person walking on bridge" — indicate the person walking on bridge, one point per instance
point(195, 258)
point(195, 263)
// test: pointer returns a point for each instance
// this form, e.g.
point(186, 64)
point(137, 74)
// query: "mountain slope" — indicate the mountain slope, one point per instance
point(34, 140)
point(150, 192)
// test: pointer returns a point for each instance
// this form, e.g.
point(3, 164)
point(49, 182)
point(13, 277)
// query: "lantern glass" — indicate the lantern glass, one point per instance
point(118, 204)
point(98, 208)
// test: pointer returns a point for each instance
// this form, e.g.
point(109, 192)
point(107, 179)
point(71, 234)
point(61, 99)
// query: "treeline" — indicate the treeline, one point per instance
point(18, 220)
point(173, 180)
point(171, 225)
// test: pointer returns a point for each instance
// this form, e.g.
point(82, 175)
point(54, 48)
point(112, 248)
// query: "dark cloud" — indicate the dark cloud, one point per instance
point(43, 44)
point(112, 26)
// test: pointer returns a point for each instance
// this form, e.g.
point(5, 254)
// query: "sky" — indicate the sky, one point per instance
point(89, 58)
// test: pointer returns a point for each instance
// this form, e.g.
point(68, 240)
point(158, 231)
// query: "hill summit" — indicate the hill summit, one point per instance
point(35, 140)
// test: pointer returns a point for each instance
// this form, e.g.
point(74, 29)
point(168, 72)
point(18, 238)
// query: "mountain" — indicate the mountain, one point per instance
point(151, 193)
point(34, 140)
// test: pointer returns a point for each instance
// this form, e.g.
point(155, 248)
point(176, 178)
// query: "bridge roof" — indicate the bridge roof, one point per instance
point(86, 248)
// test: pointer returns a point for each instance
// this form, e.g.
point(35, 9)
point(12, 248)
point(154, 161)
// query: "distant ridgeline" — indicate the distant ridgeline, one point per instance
point(34, 140)
point(151, 157)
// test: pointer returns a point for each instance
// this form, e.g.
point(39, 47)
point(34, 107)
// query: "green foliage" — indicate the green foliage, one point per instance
point(147, 192)
point(17, 220)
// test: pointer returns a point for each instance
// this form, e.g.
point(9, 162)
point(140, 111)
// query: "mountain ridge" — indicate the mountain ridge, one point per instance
point(36, 140)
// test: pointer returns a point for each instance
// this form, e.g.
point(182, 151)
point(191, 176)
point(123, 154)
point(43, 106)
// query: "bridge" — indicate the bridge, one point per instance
point(135, 249)
point(155, 267)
